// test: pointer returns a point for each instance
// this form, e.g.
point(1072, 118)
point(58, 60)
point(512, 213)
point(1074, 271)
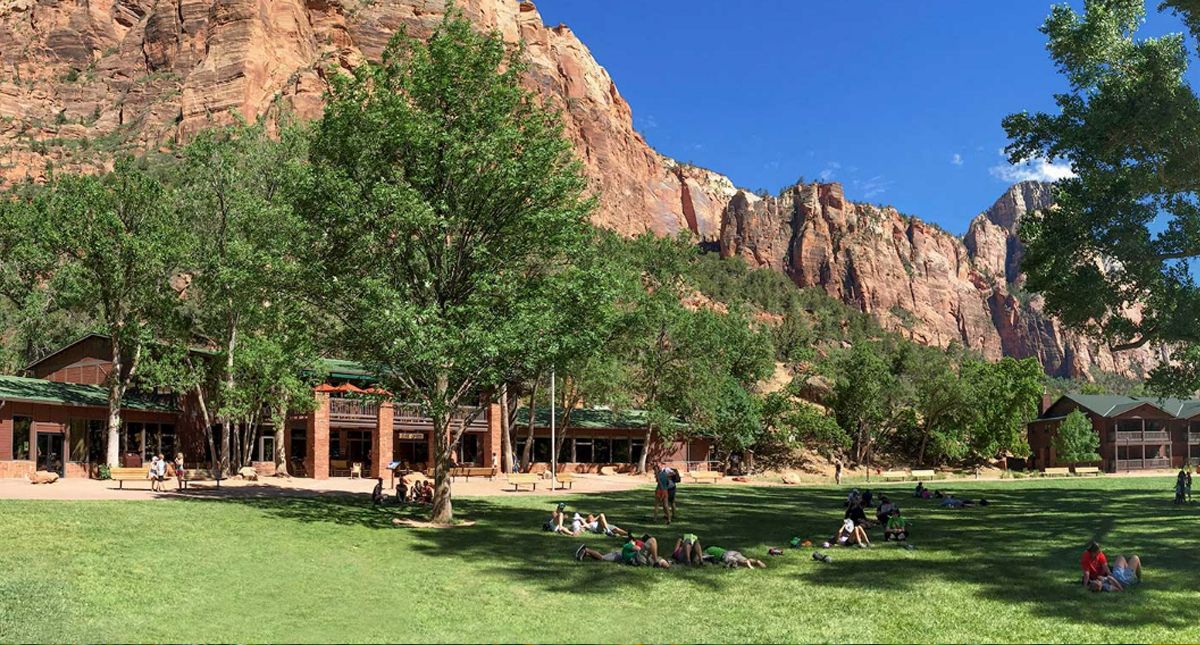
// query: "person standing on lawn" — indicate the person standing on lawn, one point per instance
point(837, 472)
point(664, 491)
point(180, 472)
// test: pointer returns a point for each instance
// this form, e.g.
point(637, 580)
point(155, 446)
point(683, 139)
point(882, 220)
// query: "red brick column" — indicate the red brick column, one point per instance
point(384, 434)
point(492, 443)
point(317, 460)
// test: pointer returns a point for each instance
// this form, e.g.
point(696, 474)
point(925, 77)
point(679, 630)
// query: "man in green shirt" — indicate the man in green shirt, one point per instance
point(732, 559)
point(897, 527)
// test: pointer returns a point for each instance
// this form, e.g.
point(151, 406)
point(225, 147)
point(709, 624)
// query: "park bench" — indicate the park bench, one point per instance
point(122, 475)
point(1056, 472)
point(1087, 470)
point(565, 480)
point(198, 475)
point(710, 476)
point(467, 472)
point(924, 474)
point(894, 474)
point(523, 479)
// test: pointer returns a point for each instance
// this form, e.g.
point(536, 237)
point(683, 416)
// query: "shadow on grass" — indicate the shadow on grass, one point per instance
point(1023, 549)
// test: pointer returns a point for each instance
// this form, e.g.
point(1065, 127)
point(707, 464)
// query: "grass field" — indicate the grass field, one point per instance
point(254, 570)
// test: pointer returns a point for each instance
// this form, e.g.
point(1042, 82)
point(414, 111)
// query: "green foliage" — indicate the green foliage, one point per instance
point(1075, 441)
point(447, 202)
point(1114, 258)
point(794, 422)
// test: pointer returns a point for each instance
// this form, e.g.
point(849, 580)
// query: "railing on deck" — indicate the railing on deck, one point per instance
point(1143, 437)
point(1194, 437)
point(353, 412)
point(407, 417)
point(1142, 464)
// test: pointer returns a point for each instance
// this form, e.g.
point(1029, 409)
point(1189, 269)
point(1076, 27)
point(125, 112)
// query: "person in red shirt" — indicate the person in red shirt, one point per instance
point(1094, 564)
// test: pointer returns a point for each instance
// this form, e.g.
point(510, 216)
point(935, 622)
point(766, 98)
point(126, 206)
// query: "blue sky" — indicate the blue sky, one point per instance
point(900, 101)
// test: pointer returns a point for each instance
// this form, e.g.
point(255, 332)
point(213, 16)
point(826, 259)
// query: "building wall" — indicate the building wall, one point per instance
point(87, 362)
point(1040, 434)
point(55, 419)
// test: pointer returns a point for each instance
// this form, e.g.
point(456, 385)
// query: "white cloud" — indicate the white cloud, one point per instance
point(871, 188)
point(831, 168)
point(957, 159)
point(1033, 170)
point(648, 122)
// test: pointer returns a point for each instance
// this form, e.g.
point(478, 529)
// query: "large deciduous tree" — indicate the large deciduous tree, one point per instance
point(442, 202)
point(120, 241)
point(1075, 440)
point(1116, 256)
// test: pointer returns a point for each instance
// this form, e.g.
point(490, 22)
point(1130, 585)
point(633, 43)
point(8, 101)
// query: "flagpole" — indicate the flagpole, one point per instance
point(553, 443)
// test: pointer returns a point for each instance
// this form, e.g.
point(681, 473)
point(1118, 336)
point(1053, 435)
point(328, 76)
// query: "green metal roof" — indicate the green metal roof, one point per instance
point(33, 390)
point(587, 418)
point(1107, 405)
point(338, 368)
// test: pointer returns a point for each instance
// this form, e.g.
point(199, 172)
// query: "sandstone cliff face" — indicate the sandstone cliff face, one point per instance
point(80, 81)
point(917, 279)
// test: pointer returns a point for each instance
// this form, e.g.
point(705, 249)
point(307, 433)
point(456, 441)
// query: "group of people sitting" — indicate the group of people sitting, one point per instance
point(418, 491)
point(640, 551)
point(853, 530)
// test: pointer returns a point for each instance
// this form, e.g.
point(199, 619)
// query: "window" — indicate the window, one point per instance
point(335, 445)
point(564, 453)
point(1158, 452)
point(1194, 453)
point(602, 451)
point(298, 445)
point(20, 437)
point(541, 449)
point(468, 449)
point(620, 451)
point(583, 451)
point(1129, 425)
point(266, 448)
point(1155, 424)
point(131, 436)
point(636, 446)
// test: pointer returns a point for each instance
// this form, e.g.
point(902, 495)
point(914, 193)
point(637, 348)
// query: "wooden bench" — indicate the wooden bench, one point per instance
point(894, 474)
point(122, 475)
point(467, 472)
point(710, 476)
point(924, 474)
point(1087, 470)
point(191, 475)
point(523, 479)
point(1056, 472)
point(565, 480)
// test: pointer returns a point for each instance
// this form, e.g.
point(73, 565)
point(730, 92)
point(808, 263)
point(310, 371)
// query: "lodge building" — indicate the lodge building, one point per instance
point(1136, 433)
point(55, 419)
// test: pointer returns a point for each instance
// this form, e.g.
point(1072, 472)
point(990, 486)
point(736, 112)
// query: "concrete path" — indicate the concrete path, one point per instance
point(91, 489)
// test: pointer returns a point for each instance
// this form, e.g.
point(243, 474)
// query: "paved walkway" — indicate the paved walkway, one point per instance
point(91, 489)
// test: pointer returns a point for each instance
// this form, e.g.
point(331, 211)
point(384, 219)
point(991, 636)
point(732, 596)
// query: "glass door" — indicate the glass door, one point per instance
point(50, 452)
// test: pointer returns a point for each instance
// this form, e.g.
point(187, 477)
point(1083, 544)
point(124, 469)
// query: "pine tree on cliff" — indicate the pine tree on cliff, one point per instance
point(445, 199)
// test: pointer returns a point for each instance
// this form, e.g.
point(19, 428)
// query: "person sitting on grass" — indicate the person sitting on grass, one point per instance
point(858, 515)
point(885, 510)
point(426, 493)
point(849, 534)
point(377, 492)
point(731, 559)
point(920, 490)
point(1098, 576)
point(688, 550)
point(897, 527)
point(557, 517)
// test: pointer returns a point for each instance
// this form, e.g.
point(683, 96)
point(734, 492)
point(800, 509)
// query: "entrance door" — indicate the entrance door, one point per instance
point(50, 452)
point(266, 448)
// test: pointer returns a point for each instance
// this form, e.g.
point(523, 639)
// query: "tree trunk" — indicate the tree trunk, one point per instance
point(116, 392)
point(506, 456)
point(645, 450)
point(280, 421)
point(924, 445)
point(443, 507)
point(527, 454)
point(227, 438)
point(206, 419)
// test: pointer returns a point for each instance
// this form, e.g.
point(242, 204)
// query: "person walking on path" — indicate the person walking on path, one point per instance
point(837, 472)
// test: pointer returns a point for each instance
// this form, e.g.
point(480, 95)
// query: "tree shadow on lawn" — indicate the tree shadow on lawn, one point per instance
point(1023, 549)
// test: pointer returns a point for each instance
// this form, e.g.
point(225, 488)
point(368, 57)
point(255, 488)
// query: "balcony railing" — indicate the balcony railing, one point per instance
point(1142, 464)
point(407, 417)
point(353, 412)
point(1194, 437)
point(1156, 437)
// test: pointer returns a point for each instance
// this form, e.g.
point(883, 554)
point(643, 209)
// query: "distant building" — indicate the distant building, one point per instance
point(1136, 433)
point(56, 419)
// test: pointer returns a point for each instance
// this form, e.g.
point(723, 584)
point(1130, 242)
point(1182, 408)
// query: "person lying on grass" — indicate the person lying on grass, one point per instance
point(731, 559)
point(557, 517)
point(688, 550)
point(599, 524)
point(849, 534)
point(897, 527)
point(949, 501)
point(643, 553)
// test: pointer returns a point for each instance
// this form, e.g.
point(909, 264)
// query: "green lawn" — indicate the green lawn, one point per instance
point(336, 570)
